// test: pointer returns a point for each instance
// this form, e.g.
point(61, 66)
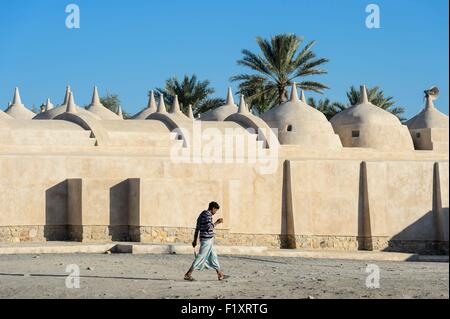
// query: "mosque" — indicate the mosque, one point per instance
point(288, 179)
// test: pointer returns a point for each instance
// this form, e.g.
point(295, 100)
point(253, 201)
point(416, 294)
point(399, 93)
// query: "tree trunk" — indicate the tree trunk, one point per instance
point(280, 94)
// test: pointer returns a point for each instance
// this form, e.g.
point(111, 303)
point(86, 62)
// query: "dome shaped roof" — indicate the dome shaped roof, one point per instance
point(103, 113)
point(302, 125)
point(222, 112)
point(369, 126)
point(99, 109)
point(51, 113)
point(364, 113)
point(4, 116)
point(295, 111)
point(55, 111)
point(48, 105)
point(150, 109)
point(176, 110)
point(429, 117)
point(17, 110)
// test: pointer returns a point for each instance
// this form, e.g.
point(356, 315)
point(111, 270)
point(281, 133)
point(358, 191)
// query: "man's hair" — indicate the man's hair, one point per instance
point(213, 205)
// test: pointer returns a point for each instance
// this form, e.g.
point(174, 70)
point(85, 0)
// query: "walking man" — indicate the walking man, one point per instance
point(207, 257)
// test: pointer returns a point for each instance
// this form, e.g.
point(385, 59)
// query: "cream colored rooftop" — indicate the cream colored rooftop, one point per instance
point(17, 110)
point(100, 110)
point(5, 116)
point(300, 124)
point(222, 112)
point(53, 112)
point(366, 125)
point(364, 113)
point(429, 117)
point(362, 125)
point(150, 109)
point(86, 175)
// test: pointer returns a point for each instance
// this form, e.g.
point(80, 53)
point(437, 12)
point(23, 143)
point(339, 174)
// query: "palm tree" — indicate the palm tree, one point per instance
point(328, 108)
point(376, 97)
point(112, 102)
point(260, 102)
point(190, 91)
point(280, 62)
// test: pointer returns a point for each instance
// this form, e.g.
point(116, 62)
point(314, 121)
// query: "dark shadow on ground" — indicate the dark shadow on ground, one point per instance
point(257, 259)
point(84, 276)
point(418, 236)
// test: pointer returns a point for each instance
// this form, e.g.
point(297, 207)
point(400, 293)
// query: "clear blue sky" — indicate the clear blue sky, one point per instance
point(129, 47)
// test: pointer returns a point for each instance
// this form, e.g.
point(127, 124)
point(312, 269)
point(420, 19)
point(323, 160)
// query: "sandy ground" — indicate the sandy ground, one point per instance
point(161, 276)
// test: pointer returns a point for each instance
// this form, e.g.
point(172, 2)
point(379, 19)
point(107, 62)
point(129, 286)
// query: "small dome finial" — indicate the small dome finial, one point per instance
point(95, 98)
point(48, 105)
point(294, 94)
point(242, 105)
point(363, 92)
point(230, 99)
point(429, 103)
point(176, 105)
point(119, 112)
point(162, 104)
point(16, 99)
point(66, 96)
point(190, 112)
point(152, 102)
point(71, 107)
point(302, 96)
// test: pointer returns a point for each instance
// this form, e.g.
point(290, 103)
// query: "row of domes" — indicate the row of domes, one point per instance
point(17, 109)
point(295, 108)
point(361, 125)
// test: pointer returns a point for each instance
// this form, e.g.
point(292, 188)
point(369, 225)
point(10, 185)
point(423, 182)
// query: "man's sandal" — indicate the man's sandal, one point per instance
point(223, 277)
point(189, 278)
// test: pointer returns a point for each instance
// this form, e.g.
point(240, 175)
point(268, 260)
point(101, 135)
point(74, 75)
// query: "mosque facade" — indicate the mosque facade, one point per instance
point(286, 179)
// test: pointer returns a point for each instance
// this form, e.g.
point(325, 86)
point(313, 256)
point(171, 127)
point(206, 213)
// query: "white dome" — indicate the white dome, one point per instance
point(300, 124)
point(99, 109)
point(364, 113)
point(4, 116)
point(222, 112)
point(17, 110)
point(367, 125)
point(429, 117)
point(103, 113)
point(150, 109)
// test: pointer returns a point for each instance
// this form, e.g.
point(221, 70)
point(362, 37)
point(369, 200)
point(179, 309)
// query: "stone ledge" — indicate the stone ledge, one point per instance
point(184, 235)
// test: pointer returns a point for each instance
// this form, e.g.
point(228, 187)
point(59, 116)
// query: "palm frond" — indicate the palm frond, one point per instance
point(279, 62)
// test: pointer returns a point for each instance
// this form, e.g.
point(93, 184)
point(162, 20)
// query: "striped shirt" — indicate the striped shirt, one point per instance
point(205, 225)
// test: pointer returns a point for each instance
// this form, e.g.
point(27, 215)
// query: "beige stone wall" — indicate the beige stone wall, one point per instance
point(422, 139)
point(159, 235)
point(400, 196)
point(442, 198)
point(388, 205)
point(435, 139)
point(380, 137)
point(95, 191)
point(325, 197)
point(341, 199)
